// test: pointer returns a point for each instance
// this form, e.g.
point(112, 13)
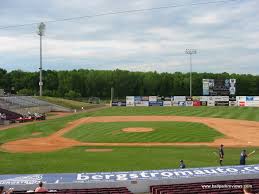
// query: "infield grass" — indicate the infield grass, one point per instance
point(163, 132)
point(121, 158)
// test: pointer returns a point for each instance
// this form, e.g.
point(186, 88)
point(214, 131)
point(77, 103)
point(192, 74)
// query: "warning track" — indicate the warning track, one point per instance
point(238, 133)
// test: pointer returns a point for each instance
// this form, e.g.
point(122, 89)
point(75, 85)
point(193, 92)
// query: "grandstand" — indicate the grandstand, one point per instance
point(25, 104)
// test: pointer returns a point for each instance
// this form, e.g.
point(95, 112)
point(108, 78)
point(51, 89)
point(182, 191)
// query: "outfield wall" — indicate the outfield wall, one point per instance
point(135, 181)
point(145, 101)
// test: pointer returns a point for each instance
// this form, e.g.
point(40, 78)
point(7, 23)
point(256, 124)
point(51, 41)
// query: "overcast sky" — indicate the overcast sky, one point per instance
point(226, 36)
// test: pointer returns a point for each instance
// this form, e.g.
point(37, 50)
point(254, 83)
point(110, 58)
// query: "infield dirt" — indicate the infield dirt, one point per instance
point(238, 133)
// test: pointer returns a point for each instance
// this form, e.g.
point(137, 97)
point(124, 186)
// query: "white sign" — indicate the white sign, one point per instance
point(204, 98)
point(252, 103)
point(211, 103)
point(130, 101)
point(221, 98)
point(189, 103)
point(152, 98)
point(167, 103)
point(142, 103)
point(241, 98)
point(179, 98)
point(232, 103)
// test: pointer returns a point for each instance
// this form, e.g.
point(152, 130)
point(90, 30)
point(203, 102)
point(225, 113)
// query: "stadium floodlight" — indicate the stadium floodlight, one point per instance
point(40, 32)
point(190, 52)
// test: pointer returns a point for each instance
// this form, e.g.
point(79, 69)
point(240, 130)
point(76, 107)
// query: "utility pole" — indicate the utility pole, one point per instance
point(112, 95)
point(190, 52)
point(41, 31)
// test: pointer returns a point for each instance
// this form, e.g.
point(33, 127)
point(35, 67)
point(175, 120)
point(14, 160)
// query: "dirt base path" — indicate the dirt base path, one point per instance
point(238, 133)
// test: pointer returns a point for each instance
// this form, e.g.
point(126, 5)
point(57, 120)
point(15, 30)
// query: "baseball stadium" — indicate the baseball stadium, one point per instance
point(187, 125)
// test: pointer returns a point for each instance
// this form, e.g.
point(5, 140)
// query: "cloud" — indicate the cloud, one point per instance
point(206, 19)
point(225, 35)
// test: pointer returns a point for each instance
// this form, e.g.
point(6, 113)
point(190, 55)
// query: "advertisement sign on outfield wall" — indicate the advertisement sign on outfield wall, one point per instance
point(137, 98)
point(241, 98)
point(189, 103)
point(211, 103)
point(196, 103)
point(249, 98)
point(204, 103)
point(196, 98)
point(168, 98)
point(232, 103)
point(175, 103)
point(181, 103)
point(179, 98)
point(130, 101)
point(156, 103)
point(142, 103)
point(204, 98)
point(144, 98)
point(167, 103)
point(152, 98)
point(115, 103)
point(252, 103)
point(232, 98)
point(241, 103)
point(221, 98)
point(188, 98)
point(159, 98)
point(222, 103)
point(211, 98)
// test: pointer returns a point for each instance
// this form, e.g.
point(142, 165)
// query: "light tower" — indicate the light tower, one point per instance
point(190, 52)
point(40, 32)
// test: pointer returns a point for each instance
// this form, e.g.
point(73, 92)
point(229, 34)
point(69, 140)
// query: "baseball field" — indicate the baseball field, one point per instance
point(125, 138)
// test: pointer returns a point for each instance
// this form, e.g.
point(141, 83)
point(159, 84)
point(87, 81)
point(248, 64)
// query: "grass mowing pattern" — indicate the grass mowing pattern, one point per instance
point(120, 159)
point(163, 132)
point(243, 113)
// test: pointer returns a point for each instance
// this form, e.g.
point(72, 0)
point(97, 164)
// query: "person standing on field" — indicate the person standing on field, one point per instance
point(182, 165)
point(221, 154)
point(243, 157)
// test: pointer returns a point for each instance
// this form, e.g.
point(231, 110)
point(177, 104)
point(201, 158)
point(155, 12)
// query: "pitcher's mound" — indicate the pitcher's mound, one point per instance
point(137, 130)
point(98, 150)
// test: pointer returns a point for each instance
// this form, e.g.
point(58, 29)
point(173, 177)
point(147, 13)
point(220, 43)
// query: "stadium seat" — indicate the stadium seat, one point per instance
point(118, 190)
point(196, 187)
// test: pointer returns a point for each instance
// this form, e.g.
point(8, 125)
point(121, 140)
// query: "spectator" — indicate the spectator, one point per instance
point(1, 190)
point(182, 165)
point(247, 190)
point(40, 188)
point(5, 192)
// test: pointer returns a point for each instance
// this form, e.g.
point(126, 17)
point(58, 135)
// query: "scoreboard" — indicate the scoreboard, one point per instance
point(219, 87)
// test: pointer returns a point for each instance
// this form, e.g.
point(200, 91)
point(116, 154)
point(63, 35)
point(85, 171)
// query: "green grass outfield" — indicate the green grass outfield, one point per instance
point(121, 158)
point(163, 132)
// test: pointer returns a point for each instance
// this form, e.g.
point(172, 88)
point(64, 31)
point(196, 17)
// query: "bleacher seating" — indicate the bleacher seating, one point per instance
point(196, 188)
point(118, 190)
point(9, 114)
point(25, 104)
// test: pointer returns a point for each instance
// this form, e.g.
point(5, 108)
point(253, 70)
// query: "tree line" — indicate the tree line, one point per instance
point(98, 83)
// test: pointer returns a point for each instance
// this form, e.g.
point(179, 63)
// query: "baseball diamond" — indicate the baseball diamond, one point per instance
point(96, 137)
